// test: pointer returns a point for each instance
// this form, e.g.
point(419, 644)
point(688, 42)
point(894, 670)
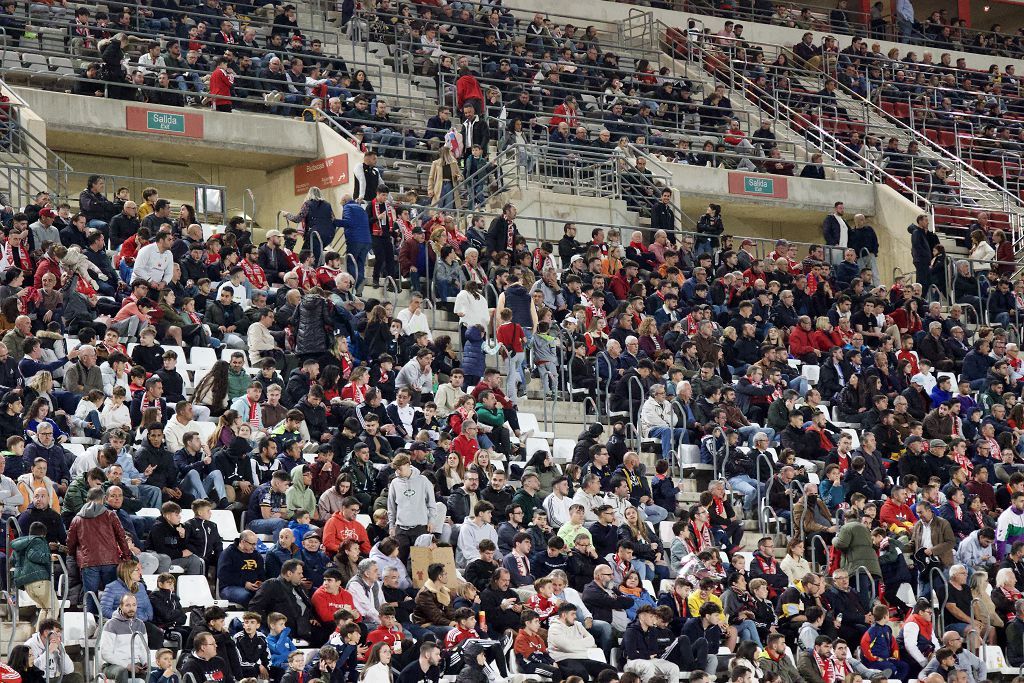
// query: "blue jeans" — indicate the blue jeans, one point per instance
point(93, 581)
point(97, 224)
point(655, 514)
point(447, 198)
point(747, 630)
point(149, 496)
point(751, 489)
point(669, 437)
point(359, 251)
point(236, 594)
point(93, 428)
point(270, 526)
point(800, 385)
point(602, 632)
point(201, 487)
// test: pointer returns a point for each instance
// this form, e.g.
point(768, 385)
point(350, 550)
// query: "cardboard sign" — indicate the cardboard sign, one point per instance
point(421, 558)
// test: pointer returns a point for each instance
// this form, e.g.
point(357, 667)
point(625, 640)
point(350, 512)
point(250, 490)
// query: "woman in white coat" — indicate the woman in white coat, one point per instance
point(378, 665)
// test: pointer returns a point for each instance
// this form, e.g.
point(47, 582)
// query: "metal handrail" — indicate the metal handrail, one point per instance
point(11, 532)
point(931, 581)
point(141, 636)
point(629, 395)
point(856, 576)
point(59, 588)
point(251, 216)
point(396, 288)
point(608, 385)
point(817, 540)
point(717, 433)
point(90, 658)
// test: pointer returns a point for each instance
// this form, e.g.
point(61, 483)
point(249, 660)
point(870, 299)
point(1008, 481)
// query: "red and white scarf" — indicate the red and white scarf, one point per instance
point(17, 259)
point(254, 413)
point(255, 274)
point(827, 674)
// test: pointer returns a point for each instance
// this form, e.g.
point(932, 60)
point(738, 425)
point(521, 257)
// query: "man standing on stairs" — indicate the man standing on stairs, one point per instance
point(922, 241)
point(836, 233)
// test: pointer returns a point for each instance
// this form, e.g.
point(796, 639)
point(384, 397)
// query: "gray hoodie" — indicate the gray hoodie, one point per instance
point(410, 500)
point(90, 510)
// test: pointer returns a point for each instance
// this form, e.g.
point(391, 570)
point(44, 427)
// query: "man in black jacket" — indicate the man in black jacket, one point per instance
point(502, 232)
point(285, 594)
point(124, 224)
point(662, 217)
point(600, 599)
point(203, 662)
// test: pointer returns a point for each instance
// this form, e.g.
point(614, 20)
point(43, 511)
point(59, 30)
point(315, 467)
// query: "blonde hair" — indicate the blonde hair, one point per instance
point(125, 572)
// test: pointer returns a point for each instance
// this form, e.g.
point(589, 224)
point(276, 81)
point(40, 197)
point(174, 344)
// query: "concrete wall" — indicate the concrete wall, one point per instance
point(238, 152)
point(249, 141)
point(894, 214)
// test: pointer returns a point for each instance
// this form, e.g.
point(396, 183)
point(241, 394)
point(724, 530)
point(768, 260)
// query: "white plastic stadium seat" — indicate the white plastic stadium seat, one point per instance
point(562, 450)
point(194, 591)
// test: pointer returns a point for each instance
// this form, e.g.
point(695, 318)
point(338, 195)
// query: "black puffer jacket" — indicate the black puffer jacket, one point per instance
point(311, 319)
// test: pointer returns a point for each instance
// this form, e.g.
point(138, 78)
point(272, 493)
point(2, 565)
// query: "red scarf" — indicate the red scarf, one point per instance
point(703, 536)
point(719, 506)
point(19, 259)
point(307, 277)
point(255, 274)
point(254, 413)
point(383, 216)
point(766, 567)
point(839, 669)
point(827, 674)
point(511, 236)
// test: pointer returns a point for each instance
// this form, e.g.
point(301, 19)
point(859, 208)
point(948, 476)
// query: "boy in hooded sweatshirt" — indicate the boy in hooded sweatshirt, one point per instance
point(300, 495)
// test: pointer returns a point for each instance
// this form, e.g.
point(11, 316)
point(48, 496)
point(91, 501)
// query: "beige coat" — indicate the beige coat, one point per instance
point(435, 179)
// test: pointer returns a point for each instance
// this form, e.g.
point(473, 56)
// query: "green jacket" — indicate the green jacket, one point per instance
point(854, 542)
point(31, 560)
point(74, 499)
point(492, 418)
point(237, 384)
point(300, 496)
point(527, 502)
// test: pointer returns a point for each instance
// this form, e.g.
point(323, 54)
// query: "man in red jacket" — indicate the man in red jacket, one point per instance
point(800, 344)
point(220, 85)
point(97, 542)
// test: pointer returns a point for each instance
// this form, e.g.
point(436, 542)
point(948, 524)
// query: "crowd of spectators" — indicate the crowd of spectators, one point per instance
point(876, 433)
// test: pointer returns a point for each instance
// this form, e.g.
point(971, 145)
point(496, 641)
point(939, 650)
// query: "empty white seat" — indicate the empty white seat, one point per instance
point(528, 422)
point(194, 591)
point(150, 581)
point(77, 627)
point(562, 450)
point(226, 525)
point(202, 357)
point(76, 449)
point(364, 520)
point(205, 430)
point(179, 351)
point(811, 373)
point(148, 512)
point(534, 444)
point(665, 533)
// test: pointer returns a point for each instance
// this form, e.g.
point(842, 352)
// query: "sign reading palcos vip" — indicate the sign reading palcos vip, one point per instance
point(163, 122)
point(329, 172)
point(758, 185)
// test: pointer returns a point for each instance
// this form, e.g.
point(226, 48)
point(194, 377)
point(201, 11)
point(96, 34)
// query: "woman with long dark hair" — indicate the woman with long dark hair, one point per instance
point(212, 390)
